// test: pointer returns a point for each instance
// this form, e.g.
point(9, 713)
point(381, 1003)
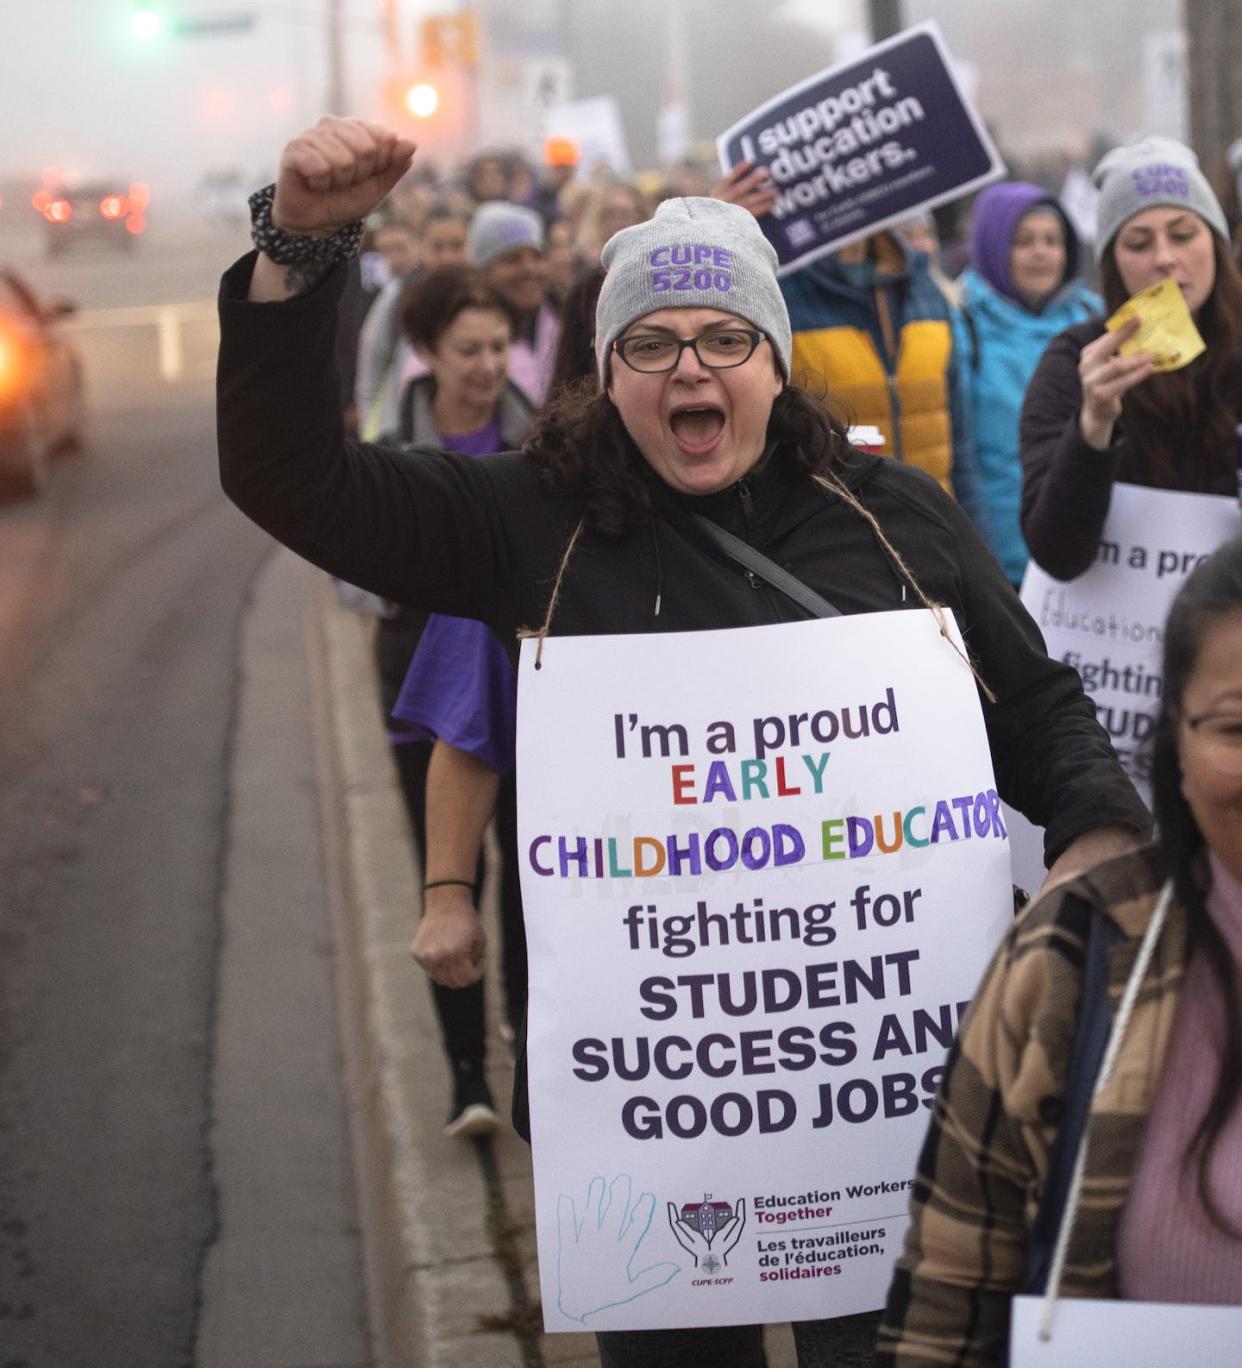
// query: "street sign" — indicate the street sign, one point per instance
point(210, 27)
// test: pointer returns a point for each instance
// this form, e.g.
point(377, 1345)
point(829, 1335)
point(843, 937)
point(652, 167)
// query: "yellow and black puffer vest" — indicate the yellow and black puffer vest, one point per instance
point(907, 398)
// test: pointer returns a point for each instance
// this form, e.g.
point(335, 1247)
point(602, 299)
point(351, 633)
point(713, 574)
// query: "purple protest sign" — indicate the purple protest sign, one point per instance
point(864, 145)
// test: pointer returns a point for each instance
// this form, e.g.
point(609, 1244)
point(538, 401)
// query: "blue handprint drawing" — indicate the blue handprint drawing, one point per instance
point(597, 1253)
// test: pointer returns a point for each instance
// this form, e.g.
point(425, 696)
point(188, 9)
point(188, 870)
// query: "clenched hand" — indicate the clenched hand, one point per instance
point(336, 173)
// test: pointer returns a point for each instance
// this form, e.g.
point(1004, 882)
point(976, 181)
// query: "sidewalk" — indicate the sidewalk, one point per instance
point(449, 1223)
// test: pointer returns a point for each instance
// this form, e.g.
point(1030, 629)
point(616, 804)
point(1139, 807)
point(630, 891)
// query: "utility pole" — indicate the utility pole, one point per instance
point(673, 123)
point(885, 18)
point(1214, 59)
point(390, 25)
point(336, 100)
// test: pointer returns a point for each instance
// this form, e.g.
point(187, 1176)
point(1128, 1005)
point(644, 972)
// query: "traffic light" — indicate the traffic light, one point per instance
point(426, 100)
point(421, 99)
point(146, 22)
point(435, 96)
point(437, 92)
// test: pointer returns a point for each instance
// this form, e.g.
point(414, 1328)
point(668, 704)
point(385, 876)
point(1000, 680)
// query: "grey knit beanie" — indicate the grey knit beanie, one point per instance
point(1156, 171)
point(694, 254)
point(498, 227)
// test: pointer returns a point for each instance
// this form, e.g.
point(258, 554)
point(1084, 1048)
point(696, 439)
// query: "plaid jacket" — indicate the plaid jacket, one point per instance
point(983, 1163)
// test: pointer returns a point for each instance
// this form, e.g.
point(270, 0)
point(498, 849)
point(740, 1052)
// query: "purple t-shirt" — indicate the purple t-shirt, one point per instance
point(485, 441)
point(460, 686)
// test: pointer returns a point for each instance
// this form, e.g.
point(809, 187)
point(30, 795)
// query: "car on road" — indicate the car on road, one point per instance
point(96, 212)
point(42, 404)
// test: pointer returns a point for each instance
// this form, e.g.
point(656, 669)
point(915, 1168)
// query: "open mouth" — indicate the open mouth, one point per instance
point(696, 429)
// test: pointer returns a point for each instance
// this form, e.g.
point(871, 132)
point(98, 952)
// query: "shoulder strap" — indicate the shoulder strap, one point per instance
point(1091, 1032)
point(767, 570)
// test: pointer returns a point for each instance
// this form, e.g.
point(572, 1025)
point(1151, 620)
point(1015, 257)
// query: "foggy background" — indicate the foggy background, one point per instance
point(206, 885)
point(83, 95)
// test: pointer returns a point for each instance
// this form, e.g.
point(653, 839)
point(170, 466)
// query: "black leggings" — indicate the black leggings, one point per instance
point(847, 1342)
point(460, 1010)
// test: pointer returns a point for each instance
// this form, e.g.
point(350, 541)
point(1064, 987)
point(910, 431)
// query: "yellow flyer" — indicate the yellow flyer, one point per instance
point(1166, 329)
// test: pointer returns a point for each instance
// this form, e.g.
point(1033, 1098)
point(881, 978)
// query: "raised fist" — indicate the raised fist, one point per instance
point(336, 173)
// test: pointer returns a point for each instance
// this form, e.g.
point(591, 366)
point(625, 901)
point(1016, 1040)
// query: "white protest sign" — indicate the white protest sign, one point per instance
point(1087, 1333)
point(762, 873)
point(1166, 84)
point(595, 125)
point(1109, 622)
point(1079, 198)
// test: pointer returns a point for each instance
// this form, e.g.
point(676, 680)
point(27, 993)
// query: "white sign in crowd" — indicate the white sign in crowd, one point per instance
point(1087, 1332)
point(1109, 622)
point(749, 952)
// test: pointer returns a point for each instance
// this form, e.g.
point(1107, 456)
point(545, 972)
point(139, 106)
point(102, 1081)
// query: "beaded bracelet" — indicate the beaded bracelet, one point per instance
point(298, 249)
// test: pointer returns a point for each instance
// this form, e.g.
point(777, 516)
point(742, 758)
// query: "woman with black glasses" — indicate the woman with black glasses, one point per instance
point(607, 522)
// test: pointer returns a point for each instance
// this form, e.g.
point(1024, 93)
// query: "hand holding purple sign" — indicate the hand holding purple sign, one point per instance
point(856, 148)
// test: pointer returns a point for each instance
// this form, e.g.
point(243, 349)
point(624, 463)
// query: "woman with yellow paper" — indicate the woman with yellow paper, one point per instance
point(1097, 411)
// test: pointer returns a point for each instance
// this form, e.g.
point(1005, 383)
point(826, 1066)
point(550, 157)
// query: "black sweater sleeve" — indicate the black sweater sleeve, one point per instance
point(1066, 484)
point(1053, 760)
point(476, 537)
point(420, 527)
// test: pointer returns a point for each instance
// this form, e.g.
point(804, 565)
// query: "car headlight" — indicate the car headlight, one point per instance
point(13, 365)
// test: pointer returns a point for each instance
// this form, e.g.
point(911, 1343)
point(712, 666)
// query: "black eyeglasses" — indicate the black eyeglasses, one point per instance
point(722, 349)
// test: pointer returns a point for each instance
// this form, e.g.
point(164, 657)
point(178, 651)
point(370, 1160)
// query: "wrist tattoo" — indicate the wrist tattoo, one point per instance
point(305, 275)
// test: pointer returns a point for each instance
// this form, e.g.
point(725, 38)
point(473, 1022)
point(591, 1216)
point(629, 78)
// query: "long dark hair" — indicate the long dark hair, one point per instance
point(585, 452)
point(1212, 593)
point(575, 350)
point(1189, 414)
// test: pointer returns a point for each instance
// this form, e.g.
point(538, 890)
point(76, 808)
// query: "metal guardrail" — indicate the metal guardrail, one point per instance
point(168, 320)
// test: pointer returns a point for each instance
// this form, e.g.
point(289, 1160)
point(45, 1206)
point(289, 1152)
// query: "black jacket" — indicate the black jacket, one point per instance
point(398, 636)
point(482, 537)
point(1066, 484)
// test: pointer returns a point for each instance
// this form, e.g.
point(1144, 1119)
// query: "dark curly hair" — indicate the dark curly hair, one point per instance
point(584, 451)
point(1212, 594)
point(575, 351)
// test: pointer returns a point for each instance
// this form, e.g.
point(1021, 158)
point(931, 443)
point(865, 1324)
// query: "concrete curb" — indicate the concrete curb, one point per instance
point(430, 1266)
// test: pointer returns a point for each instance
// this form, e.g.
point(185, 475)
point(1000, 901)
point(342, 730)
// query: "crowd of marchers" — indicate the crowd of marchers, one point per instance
point(531, 431)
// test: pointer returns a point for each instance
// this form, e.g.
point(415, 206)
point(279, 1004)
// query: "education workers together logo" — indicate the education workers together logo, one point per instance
point(709, 1230)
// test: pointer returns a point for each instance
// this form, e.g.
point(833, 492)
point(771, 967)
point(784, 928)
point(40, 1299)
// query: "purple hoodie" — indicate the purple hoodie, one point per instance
point(998, 210)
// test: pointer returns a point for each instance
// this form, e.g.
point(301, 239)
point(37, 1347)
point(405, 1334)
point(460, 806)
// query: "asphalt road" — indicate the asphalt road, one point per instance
point(166, 1197)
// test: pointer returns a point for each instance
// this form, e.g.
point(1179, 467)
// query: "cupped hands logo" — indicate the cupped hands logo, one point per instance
point(709, 1230)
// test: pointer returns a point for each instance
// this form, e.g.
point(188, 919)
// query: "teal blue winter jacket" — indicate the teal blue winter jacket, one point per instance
point(1002, 344)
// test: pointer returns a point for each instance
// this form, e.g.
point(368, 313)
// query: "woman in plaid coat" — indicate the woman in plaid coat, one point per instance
point(1159, 1217)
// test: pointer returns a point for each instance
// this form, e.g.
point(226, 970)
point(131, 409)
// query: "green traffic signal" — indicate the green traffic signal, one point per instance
point(146, 23)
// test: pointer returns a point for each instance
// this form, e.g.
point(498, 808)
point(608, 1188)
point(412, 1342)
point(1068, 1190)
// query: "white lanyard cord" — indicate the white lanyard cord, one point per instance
point(1129, 997)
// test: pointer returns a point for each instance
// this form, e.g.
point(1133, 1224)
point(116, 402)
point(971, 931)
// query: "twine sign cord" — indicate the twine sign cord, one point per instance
point(1124, 1012)
point(542, 634)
